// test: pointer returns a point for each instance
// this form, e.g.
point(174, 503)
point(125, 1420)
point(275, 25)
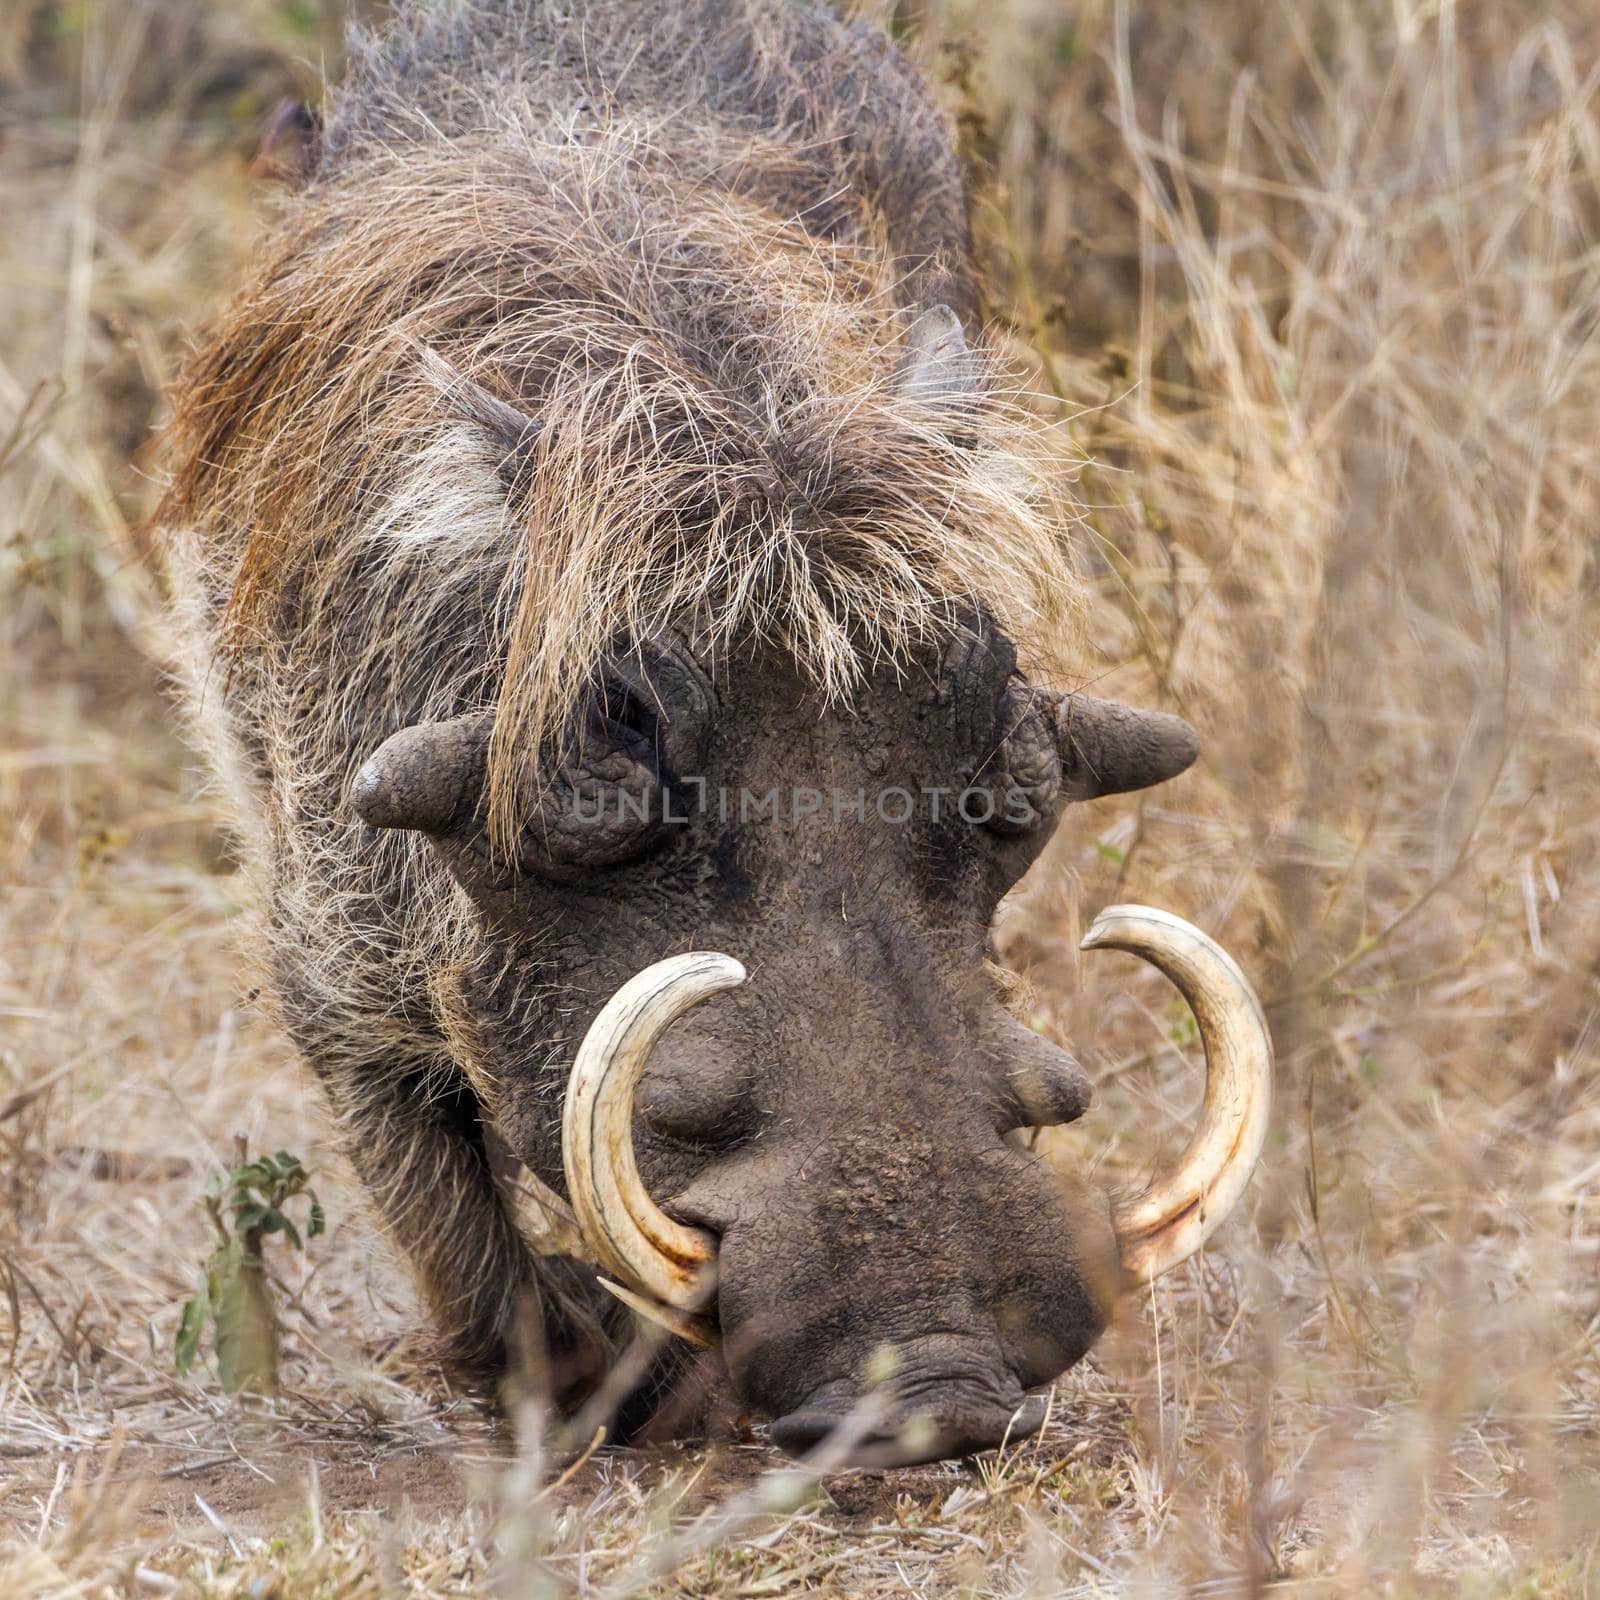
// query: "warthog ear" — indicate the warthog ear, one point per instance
point(289, 145)
point(1108, 748)
point(428, 777)
point(937, 363)
point(513, 431)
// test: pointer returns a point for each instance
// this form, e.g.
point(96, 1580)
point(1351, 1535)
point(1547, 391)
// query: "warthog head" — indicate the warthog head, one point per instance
point(820, 1168)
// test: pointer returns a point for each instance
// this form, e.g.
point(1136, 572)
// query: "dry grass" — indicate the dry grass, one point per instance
point(1315, 286)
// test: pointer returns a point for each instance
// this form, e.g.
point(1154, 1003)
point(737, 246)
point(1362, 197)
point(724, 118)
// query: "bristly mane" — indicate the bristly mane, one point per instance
point(718, 440)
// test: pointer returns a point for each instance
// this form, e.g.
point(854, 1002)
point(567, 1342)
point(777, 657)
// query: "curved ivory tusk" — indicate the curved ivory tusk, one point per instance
point(701, 1331)
point(547, 1219)
point(1177, 1212)
point(655, 1258)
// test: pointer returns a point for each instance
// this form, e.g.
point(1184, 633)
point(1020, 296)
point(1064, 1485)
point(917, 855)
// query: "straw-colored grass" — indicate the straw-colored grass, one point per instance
point(1314, 286)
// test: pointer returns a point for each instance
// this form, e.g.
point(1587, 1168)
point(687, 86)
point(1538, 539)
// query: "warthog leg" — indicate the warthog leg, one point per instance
point(414, 1132)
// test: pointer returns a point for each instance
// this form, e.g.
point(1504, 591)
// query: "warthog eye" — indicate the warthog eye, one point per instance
point(605, 801)
point(627, 716)
point(600, 806)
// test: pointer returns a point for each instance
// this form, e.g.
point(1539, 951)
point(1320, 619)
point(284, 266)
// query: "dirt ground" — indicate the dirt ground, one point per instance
point(1307, 293)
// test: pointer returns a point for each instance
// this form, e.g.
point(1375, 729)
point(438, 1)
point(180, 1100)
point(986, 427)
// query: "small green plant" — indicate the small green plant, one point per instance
point(234, 1292)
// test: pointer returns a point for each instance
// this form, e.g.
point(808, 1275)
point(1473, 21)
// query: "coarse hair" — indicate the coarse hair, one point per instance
point(604, 386)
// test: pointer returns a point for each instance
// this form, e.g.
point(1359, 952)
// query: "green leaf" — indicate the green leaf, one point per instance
point(256, 1175)
point(1109, 852)
point(191, 1325)
point(223, 1263)
point(234, 1294)
point(247, 1333)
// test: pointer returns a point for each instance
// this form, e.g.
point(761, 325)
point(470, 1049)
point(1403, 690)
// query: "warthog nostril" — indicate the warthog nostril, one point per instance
point(935, 1430)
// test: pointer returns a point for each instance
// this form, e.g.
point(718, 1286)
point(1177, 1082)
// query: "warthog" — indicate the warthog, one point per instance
point(600, 540)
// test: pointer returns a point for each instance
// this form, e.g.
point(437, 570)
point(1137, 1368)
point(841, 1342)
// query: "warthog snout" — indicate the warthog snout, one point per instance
point(902, 1276)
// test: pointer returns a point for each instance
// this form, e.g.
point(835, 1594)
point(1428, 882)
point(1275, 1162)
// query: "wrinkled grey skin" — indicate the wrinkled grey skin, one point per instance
point(840, 1121)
